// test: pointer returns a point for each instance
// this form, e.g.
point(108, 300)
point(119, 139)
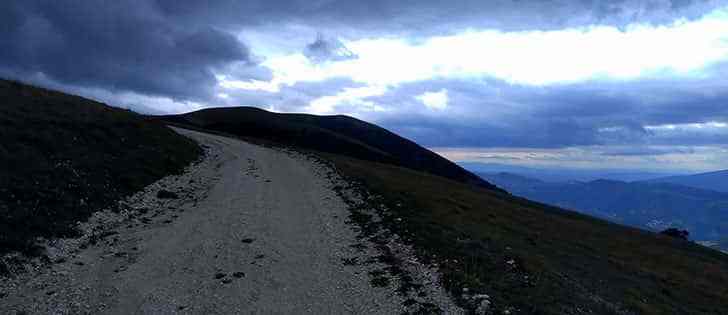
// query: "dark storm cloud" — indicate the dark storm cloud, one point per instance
point(115, 45)
point(418, 17)
point(174, 48)
point(327, 49)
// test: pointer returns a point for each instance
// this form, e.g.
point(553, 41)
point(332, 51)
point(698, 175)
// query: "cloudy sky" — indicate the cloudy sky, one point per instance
point(554, 83)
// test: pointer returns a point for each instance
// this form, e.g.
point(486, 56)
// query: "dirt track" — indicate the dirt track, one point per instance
point(255, 230)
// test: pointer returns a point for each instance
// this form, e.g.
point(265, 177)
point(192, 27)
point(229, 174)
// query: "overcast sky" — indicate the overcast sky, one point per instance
point(559, 83)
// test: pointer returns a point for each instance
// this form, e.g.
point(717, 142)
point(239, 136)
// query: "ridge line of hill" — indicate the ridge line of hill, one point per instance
point(334, 134)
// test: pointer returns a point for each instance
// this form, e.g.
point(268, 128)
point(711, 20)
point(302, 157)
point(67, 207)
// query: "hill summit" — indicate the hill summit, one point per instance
point(333, 134)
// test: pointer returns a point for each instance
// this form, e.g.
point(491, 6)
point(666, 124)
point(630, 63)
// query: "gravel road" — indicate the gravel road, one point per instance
point(252, 230)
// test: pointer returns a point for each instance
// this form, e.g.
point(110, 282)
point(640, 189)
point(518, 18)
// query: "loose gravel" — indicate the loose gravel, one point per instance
point(247, 229)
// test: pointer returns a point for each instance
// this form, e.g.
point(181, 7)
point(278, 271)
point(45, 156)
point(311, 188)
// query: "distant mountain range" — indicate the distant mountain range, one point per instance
point(717, 181)
point(567, 174)
point(653, 205)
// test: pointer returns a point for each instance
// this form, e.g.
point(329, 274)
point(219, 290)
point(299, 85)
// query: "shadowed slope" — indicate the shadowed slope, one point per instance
point(63, 157)
point(539, 259)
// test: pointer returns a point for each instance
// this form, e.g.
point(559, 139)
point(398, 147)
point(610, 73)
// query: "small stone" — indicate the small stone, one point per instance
point(227, 280)
point(220, 275)
point(481, 297)
point(247, 240)
point(483, 307)
point(239, 274)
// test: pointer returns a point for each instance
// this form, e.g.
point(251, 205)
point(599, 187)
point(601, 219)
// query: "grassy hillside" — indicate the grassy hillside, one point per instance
point(530, 258)
point(62, 157)
point(335, 134)
point(541, 259)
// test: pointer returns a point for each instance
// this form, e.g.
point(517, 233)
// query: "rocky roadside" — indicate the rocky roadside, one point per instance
point(390, 261)
point(105, 236)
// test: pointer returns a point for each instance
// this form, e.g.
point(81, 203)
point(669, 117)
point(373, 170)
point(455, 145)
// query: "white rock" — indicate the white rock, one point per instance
point(483, 307)
point(481, 297)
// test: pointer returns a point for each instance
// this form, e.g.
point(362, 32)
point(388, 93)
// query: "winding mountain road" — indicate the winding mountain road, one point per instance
point(255, 230)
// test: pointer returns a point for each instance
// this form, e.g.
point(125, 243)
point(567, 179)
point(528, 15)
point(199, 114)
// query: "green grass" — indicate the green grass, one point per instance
point(561, 261)
point(62, 157)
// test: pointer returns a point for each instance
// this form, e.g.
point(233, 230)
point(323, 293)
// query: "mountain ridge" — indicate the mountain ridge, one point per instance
point(716, 180)
point(335, 133)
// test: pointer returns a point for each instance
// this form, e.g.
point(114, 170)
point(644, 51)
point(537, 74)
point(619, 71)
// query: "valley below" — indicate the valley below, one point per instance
point(650, 205)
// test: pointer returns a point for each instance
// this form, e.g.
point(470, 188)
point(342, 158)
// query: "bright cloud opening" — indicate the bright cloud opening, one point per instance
point(434, 100)
point(682, 48)
point(712, 125)
point(689, 159)
point(353, 96)
point(390, 72)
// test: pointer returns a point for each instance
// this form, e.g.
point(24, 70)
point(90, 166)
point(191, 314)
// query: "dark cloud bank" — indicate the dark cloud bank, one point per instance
point(125, 45)
point(493, 113)
point(174, 49)
point(171, 48)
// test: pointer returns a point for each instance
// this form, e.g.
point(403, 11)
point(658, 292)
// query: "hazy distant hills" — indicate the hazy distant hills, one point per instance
point(713, 180)
point(567, 174)
point(649, 205)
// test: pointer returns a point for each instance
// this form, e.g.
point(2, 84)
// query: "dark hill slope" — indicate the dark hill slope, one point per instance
point(334, 134)
point(62, 157)
point(536, 259)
